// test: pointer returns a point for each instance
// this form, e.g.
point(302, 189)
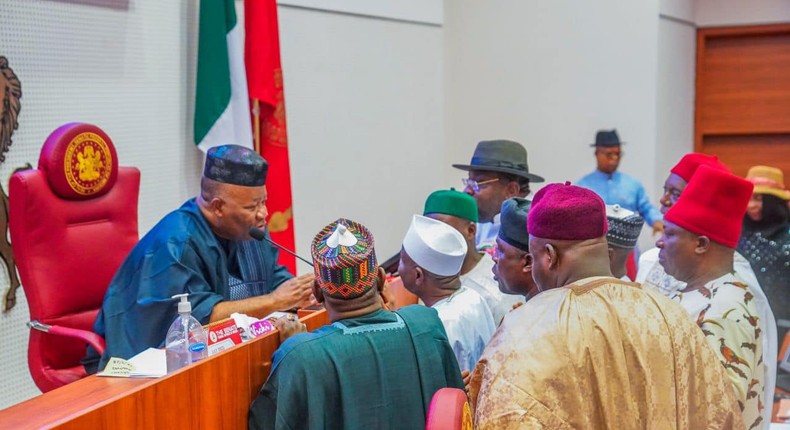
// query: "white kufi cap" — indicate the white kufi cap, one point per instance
point(435, 246)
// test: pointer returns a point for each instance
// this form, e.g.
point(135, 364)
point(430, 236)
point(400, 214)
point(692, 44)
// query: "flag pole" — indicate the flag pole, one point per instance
point(256, 114)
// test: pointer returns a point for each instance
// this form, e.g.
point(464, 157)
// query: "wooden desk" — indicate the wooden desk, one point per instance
point(212, 394)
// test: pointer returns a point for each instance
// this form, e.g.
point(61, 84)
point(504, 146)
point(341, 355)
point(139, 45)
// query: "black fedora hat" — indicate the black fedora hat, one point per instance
point(503, 156)
point(607, 139)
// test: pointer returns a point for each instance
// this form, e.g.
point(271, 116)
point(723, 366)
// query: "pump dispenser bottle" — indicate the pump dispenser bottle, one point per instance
point(186, 340)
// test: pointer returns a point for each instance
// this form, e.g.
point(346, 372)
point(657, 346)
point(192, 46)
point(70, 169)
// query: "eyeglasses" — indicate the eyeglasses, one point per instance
point(474, 185)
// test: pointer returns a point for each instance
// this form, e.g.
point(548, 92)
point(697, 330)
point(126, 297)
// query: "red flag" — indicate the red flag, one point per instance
point(265, 84)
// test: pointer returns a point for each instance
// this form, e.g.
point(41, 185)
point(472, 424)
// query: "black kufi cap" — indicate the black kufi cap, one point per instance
point(236, 165)
point(513, 218)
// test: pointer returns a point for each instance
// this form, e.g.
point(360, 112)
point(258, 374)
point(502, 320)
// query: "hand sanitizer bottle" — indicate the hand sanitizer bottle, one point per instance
point(186, 340)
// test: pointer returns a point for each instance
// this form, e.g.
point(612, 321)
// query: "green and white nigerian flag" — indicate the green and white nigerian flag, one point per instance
point(222, 113)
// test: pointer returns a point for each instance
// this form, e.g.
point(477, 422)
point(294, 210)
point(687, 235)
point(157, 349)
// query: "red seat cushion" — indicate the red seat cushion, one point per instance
point(449, 410)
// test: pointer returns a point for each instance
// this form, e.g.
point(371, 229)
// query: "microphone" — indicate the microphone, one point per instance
point(259, 234)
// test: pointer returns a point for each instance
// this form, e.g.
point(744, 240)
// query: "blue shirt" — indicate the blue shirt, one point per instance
point(621, 189)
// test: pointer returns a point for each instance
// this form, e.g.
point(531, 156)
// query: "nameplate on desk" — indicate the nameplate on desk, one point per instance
point(222, 336)
point(261, 327)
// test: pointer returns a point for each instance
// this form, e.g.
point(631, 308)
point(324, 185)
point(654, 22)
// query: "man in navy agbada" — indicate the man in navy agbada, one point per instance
point(203, 249)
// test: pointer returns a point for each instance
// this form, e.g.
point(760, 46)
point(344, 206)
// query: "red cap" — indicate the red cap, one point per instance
point(690, 162)
point(567, 212)
point(713, 204)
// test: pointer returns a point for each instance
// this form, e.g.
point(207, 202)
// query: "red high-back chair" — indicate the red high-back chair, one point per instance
point(72, 222)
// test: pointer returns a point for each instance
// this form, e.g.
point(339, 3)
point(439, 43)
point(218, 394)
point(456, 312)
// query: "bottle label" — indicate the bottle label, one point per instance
point(197, 347)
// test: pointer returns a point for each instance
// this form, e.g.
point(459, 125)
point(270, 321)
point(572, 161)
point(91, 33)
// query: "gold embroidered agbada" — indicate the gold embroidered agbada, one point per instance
point(601, 354)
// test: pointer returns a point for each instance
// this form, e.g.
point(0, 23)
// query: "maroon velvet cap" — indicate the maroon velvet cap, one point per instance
point(567, 212)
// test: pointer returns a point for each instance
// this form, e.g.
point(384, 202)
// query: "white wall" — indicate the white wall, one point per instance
point(415, 11)
point(675, 95)
point(677, 9)
point(549, 74)
point(677, 38)
point(124, 69)
point(716, 13)
point(364, 107)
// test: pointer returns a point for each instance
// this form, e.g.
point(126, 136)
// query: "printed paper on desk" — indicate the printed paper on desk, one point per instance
point(151, 363)
point(117, 367)
point(275, 316)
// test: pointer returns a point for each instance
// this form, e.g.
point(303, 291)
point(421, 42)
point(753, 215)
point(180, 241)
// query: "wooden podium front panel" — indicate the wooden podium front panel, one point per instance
point(214, 393)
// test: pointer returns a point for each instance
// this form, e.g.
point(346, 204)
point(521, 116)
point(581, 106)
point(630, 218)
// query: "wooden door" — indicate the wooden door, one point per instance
point(743, 96)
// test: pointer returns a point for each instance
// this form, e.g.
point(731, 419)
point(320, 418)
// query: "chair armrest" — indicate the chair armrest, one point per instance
point(89, 337)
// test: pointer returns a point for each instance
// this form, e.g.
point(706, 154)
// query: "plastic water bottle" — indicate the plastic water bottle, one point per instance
point(186, 340)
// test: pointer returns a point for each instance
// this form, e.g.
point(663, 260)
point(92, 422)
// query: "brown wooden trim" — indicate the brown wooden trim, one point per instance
point(746, 30)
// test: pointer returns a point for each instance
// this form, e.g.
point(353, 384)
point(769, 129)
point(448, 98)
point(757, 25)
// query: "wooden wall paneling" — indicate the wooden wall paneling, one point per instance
point(746, 84)
point(745, 151)
point(743, 95)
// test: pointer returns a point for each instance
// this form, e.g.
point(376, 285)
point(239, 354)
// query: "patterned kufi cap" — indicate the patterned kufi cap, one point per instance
point(236, 165)
point(624, 226)
point(344, 259)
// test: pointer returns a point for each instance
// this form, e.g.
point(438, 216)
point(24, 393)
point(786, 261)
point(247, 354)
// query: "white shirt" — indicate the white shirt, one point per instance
point(468, 323)
point(481, 280)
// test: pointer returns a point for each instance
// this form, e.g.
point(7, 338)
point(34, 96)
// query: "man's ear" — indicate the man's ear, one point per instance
point(703, 245)
point(553, 256)
point(381, 279)
point(419, 276)
point(527, 259)
point(318, 293)
point(512, 189)
point(471, 230)
point(217, 205)
point(611, 253)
